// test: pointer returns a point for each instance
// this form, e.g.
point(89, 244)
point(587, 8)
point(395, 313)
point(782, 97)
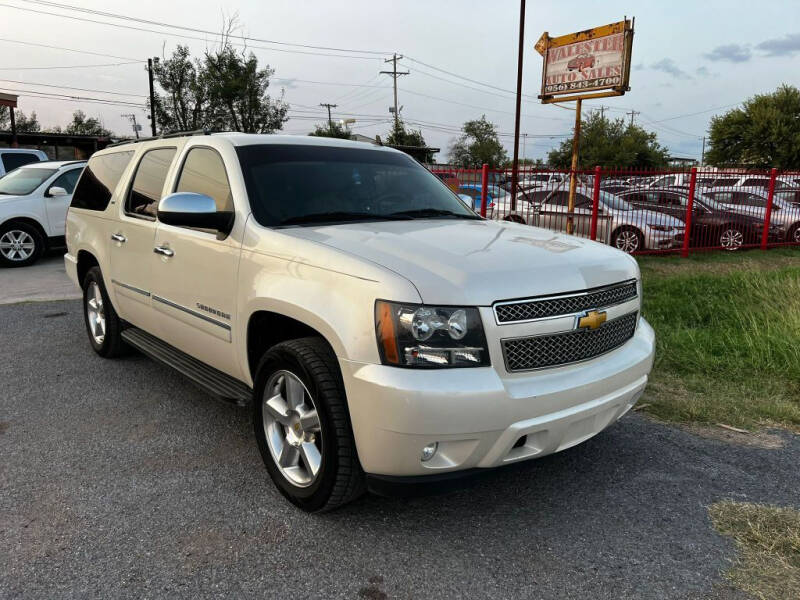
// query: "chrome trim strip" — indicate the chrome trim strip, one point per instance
point(560, 296)
point(192, 312)
point(566, 364)
point(131, 287)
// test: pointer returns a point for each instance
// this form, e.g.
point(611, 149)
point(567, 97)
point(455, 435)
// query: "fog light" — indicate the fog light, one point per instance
point(429, 450)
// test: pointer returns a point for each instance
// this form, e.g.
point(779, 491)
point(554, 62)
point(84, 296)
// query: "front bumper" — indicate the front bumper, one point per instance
point(483, 419)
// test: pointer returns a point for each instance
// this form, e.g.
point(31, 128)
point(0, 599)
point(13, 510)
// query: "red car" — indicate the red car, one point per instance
point(583, 61)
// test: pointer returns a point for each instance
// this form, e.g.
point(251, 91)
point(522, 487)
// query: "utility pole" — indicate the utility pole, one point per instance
point(703, 154)
point(515, 164)
point(633, 113)
point(132, 118)
point(602, 111)
point(329, 107)
point(395, 74)
point(152, 95)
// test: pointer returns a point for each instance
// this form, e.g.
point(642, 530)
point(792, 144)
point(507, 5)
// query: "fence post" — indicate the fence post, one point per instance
point(687, 232)
point(484, 188)
point(595, 203)
point(773, 175)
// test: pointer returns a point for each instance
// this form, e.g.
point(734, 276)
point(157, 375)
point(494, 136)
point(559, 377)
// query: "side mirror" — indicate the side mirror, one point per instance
point(56, 191)
point(187, 209)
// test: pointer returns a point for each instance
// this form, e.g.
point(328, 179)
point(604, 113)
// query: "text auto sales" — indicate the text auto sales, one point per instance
point(611, 48)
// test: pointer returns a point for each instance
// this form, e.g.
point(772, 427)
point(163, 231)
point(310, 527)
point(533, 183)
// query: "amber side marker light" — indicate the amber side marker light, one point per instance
point(386, 334)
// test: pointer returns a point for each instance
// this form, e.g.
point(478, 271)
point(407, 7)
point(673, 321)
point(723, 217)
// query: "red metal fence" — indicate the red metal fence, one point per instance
point(643, 211)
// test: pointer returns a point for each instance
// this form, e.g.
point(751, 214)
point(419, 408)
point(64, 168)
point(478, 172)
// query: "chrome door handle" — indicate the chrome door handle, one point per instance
point(118, 237)
point(164, 251)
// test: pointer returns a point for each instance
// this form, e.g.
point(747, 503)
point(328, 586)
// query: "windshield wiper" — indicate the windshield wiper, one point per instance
point(422, 213)
point(339, 215)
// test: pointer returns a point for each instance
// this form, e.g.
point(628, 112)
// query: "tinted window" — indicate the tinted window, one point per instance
point(100, 177)
point(148, 183)
point(562, 199)
point(204, 173)
point(24, 181)
point(294, 184)
point(67, 180)
point(12, 160)
point(744, 199)
point(721, 182)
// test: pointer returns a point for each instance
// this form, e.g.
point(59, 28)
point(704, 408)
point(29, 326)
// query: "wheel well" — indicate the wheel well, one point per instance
point(86, 261)
point(265, 329)
point(32, 222)
point(514, 219)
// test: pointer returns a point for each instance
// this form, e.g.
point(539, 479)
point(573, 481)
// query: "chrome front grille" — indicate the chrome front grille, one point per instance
point(517, 311)
point(550, 350)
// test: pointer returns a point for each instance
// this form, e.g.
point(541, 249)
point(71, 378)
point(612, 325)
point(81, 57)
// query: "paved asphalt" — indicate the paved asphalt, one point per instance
point(120, 479)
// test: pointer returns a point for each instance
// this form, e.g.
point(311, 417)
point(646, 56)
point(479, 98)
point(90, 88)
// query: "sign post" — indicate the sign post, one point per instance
point(593, 63)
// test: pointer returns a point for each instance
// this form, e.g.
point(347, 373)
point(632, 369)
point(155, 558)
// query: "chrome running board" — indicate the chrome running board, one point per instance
point(209, 379)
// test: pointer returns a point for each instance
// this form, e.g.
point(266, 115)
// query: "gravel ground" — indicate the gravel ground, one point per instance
point(120, 479)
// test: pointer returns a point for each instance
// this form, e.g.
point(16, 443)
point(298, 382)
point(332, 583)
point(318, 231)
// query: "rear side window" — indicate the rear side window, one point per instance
point(100, 177)
point(148, 183)
point(12, 160)
point(203, 172)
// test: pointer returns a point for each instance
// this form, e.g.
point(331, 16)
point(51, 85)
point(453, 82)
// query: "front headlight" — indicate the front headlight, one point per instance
point(414, 335)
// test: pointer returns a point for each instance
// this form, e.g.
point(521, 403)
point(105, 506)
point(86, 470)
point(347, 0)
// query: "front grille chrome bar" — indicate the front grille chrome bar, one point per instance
point(572, 303)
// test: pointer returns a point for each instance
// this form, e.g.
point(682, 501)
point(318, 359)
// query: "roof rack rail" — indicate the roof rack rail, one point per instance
point(171, 134)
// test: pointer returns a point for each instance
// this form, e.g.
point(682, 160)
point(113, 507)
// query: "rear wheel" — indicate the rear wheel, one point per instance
point(21, 244)
point(794, 234)
point(731, 238)
point(102, 323)
point(628, 240)
point(302, 426)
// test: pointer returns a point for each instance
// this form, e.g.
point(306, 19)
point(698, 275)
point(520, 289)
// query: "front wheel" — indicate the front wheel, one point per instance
point(628, 240)
point(302, 426)
point(794, 234)
point(21, 244)
point(731, 238)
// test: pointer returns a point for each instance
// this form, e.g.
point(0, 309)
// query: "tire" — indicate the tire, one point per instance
point(105, 333)
point(793, 236)
point(287, 433)
point(628, 239)
point(731, 238)
point(21, 244)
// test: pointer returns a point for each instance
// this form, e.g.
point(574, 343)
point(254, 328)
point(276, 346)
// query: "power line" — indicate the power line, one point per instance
point(66, 87)
point(135, 62)
point(182, 36)
point(55, 96)
point(197, 30)
point(89, 52)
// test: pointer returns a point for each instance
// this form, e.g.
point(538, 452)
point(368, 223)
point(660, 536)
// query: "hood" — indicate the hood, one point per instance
point(476, 263)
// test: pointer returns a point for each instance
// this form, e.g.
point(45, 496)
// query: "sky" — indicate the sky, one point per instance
point(691, 60)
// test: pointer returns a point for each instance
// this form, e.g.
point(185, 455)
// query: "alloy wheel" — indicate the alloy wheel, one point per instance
point(731, 239)
point(627, 241)
point(795, 237)
point(17, 245)
point(292, 428)
point(95, 313)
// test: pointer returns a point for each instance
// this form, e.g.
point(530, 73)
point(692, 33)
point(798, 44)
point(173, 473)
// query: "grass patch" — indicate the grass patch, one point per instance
point(768, 540)
point(728, 337)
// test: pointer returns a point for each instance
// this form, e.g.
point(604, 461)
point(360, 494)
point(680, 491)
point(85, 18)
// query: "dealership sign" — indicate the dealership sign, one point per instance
point(589, 64)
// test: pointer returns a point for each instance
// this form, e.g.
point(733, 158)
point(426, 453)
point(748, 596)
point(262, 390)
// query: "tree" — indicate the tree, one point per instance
point(23, 123)
point(83, 125)
point(409, 141)
point(331, 130)
point(611, 144)
point(225, 90)
point(477, 145)
point(763, 132)
point(183, 105)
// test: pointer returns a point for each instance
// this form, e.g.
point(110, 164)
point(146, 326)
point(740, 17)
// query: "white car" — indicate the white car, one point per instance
point(33, 209)
point(381, 331)
point(12, 158)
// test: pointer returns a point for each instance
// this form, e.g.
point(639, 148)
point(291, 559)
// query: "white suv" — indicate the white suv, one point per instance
point(13, 158)
point(384, 333)
point(33, 209)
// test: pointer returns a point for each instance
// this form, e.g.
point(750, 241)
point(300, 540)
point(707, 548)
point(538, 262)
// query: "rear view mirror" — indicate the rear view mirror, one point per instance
point(186, 209)
point(57, 191)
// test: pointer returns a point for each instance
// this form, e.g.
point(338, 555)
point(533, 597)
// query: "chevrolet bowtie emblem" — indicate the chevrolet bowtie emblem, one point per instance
point(592, 320)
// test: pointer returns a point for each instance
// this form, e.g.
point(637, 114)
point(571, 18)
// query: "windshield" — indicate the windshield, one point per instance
point(23, 181)
point(294, 184)
point(612, 201)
